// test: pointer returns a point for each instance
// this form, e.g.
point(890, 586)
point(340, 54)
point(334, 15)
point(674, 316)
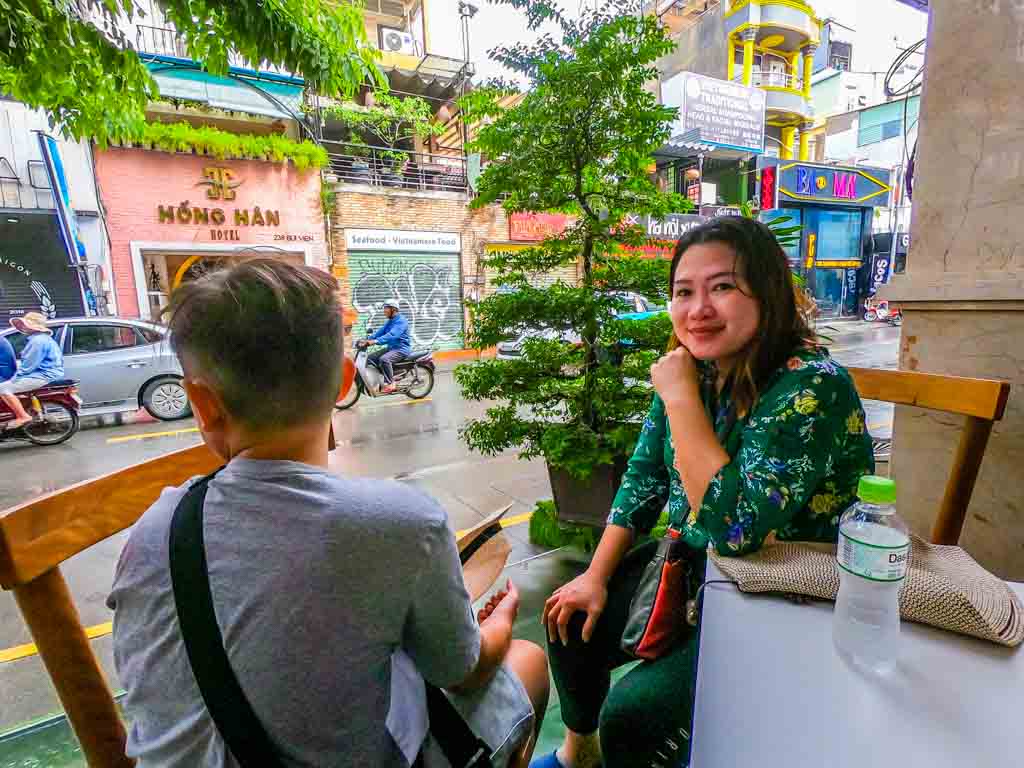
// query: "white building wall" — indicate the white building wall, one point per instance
point(878, 30)
point(19, 146)
point(841, 148)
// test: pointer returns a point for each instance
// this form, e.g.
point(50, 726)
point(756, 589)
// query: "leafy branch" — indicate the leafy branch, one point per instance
point(389, 122)
point(72, 59)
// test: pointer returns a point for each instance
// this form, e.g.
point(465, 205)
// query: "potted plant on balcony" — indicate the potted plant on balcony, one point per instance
point(385, 126)
point(579, 142)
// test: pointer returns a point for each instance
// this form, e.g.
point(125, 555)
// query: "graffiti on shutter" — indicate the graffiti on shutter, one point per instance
point(426, 287)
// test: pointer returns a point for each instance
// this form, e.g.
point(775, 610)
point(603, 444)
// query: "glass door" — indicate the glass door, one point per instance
point(837, 246)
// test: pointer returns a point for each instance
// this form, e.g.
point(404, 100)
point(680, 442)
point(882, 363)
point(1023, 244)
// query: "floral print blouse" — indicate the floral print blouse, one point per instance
point(796, 461)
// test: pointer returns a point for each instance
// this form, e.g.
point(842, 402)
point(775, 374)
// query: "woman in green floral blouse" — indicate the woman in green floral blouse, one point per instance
point(755, 433)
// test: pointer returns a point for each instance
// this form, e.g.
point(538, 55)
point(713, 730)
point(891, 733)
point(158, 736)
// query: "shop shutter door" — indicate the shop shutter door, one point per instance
point(34, 271)
point(427, 287)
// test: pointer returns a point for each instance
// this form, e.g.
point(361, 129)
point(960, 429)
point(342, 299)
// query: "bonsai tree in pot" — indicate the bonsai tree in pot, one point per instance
point(386, 124)
point(579, 142)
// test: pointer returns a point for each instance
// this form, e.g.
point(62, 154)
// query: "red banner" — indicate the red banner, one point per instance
point(534, 227)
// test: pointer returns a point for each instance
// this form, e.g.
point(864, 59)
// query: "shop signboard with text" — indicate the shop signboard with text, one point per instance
point(716, 112)
point(419, 270)
point(859, 186)
point(534, 227)
point(174, 216)
point(662, 233)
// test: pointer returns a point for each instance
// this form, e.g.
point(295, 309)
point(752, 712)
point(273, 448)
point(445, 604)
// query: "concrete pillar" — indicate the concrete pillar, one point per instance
point(730, 63)
point(808, 54)
point(788, 135)
point(963, 292)
point(805, 142)
point(748, 56)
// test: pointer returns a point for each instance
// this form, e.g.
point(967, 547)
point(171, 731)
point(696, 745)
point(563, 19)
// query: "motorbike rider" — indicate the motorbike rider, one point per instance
point(397, 337)
point(8, 360)
point(41, 363)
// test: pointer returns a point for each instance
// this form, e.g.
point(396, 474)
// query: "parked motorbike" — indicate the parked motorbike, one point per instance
point(414, 378)
point(882, 311)
point(54, 410)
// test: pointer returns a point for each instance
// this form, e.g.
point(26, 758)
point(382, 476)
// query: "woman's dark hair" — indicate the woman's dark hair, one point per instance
point(268, 334)
point(785, 308)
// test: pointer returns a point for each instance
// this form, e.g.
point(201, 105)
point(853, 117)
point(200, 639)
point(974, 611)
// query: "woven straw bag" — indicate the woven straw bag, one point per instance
point(945, 587)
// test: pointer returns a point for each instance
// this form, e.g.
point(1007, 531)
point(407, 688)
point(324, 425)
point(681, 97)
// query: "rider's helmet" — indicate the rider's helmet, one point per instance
point(393, 304)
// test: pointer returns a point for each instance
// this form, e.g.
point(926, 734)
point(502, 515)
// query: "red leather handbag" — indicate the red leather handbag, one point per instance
point(658, 616)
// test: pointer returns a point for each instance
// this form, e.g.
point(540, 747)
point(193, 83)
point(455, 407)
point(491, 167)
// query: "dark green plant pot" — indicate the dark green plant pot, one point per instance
point(587, 502)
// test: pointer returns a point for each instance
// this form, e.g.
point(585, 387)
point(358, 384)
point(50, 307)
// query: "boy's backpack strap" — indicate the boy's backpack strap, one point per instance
point(231, 711)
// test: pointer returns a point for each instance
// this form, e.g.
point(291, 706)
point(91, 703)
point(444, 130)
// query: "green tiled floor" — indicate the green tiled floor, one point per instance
point(50, 744)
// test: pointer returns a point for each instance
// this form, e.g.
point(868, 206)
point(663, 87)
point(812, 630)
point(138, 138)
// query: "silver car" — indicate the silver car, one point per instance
point(121, 365)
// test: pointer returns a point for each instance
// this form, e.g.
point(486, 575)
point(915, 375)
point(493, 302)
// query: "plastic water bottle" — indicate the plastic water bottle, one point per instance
point(873, 553)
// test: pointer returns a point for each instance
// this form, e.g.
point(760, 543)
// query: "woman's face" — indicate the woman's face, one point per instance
point(714, 313)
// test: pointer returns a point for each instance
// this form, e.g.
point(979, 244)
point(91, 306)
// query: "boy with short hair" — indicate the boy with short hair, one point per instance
point(316, 580)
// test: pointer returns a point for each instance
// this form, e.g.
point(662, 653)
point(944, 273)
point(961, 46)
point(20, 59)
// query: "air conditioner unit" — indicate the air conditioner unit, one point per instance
point(397, 41)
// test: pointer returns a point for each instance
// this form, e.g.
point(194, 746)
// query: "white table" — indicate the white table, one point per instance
point(771, 691)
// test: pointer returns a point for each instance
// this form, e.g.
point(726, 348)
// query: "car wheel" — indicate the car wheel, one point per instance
point(166, 399)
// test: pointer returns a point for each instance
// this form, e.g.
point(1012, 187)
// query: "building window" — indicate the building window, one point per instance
point(842, 63)
point(840, 55)
point(875, 133)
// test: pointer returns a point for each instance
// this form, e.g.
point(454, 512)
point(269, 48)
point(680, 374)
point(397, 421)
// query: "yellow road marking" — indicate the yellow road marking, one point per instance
point(506, 522)
point(29, 649)
point(403, 402)
point(147, 435)
point(101, 630)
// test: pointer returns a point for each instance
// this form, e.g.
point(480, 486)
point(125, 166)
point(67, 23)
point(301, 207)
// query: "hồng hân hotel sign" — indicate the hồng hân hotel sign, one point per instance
point(224, 223)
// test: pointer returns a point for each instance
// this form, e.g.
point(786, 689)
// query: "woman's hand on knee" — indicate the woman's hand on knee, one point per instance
point(587, 594)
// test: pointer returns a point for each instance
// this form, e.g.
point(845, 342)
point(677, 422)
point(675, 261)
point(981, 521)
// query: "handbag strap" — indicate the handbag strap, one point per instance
point(225, 700)
point(462, 747)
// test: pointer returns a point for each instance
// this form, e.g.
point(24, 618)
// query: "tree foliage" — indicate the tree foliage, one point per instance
point(73, 58)
point(581, 142)
point(389, 122)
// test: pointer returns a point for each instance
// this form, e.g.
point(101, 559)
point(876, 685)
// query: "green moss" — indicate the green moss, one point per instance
point(183, 137)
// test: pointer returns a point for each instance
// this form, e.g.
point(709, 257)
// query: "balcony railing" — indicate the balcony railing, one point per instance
point(161, 41)
point(397, 169)
point(165, 41)
point(773, 80)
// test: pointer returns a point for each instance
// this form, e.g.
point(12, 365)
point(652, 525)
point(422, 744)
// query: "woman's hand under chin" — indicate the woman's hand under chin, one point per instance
point(676, 379)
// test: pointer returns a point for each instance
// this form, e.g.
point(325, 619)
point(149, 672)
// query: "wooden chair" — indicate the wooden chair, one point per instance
point(981, 401)
point(36, 537)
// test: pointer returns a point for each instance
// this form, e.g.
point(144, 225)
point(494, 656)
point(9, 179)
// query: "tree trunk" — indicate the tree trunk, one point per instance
point(589, 338)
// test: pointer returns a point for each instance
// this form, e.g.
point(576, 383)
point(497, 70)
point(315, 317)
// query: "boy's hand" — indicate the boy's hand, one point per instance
point(503, 605)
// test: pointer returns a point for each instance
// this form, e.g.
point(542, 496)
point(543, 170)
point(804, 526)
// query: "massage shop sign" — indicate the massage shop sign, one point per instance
point(216, 211)
point(859, 186)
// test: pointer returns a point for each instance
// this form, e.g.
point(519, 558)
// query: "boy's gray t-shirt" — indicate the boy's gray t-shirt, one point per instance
point(317, 581)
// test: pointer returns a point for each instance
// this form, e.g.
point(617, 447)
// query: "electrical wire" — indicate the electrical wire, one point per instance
point(909, 89)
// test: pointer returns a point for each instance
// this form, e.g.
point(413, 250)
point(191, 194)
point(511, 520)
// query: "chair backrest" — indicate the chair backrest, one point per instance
point(981, 401)
point(36, 537)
